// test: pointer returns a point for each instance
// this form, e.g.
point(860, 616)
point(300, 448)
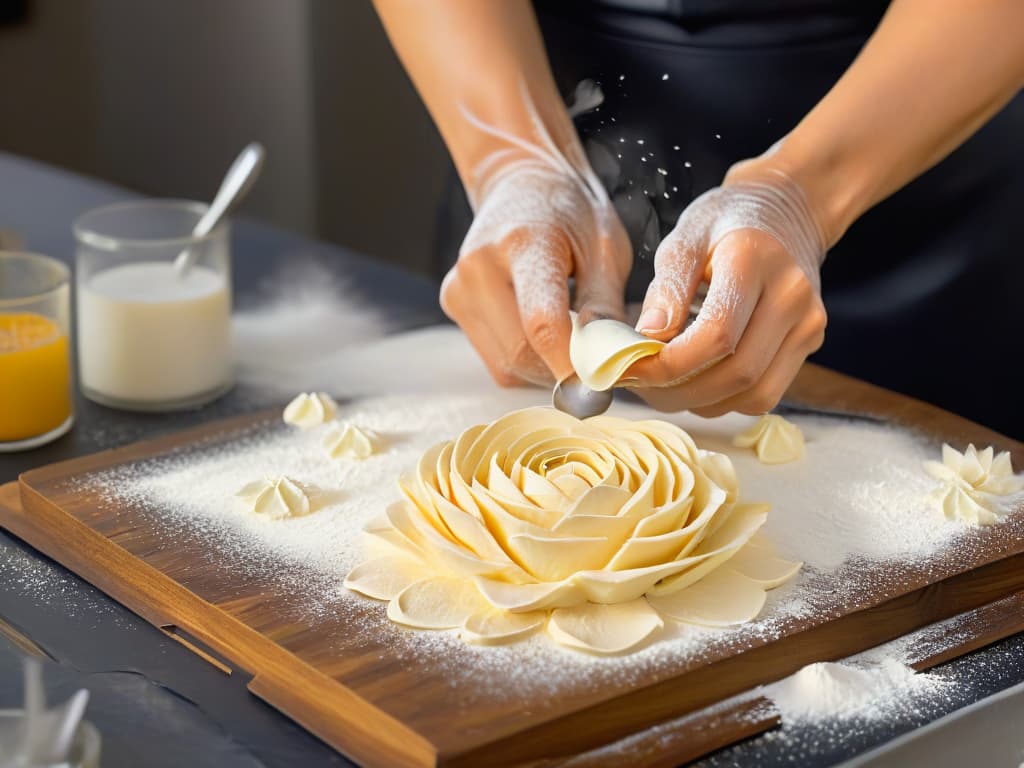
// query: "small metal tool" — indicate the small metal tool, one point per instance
point(572, 396)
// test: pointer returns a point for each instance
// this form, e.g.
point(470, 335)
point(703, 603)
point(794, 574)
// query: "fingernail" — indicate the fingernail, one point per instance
point(652, 320)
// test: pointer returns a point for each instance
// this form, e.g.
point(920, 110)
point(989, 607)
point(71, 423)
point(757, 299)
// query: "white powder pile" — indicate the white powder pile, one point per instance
point(843, 691)
point(826, 708)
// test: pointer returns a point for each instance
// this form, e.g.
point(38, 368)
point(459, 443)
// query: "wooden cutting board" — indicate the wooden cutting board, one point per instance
point(386, 711)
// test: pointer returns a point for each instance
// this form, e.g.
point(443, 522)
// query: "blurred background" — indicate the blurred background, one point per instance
point(160, 97)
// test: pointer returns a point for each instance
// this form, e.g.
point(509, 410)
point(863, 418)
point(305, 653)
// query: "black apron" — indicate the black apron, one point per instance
point(921, 292)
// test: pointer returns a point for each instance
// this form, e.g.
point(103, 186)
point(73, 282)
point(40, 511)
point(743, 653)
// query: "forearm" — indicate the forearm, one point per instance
point(932, 75)
point(472, 59)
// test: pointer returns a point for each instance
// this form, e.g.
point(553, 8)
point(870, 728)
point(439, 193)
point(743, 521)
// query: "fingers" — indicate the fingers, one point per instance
point(803, 340)
point(733, 294)
point(679, 265)
point(769, 325)
point(492, 326)
point(540, 261)
point(601, 282)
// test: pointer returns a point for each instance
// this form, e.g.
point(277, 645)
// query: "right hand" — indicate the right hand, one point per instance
point(536, 224)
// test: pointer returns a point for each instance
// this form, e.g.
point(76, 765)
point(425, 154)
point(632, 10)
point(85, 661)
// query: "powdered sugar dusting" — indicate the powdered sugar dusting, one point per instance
point(311, 315)
point(838, 511)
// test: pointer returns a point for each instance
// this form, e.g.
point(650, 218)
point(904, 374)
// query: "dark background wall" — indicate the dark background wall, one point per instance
point(160, 96)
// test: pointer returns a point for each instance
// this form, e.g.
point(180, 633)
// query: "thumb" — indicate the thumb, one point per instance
point(679, 265)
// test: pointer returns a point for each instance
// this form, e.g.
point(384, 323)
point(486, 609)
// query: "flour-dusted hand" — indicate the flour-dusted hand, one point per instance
point(537, 224)
point(542, 214)
point(756, 241)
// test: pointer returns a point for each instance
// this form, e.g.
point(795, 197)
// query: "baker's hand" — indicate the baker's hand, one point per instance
point(756, 241)
point(536, 224)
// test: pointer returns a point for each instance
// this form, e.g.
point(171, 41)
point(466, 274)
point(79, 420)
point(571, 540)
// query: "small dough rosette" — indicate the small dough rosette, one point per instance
point(599, 530)
point(973, 484)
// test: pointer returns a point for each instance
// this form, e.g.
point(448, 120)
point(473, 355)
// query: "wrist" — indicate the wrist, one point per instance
point(833, 193)
point(769, 200)
point(525, 132)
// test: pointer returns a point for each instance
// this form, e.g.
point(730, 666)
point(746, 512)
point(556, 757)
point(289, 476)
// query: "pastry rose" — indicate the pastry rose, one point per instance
point(598, 530)
point(972, 483)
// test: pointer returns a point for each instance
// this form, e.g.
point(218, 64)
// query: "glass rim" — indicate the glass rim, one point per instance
point(89, 236)
point(62, 279)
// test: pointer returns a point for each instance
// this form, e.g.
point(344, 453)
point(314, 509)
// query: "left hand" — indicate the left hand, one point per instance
point(757, 243)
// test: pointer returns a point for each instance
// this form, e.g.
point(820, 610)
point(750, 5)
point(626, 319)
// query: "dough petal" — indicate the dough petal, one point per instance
point(615, 528)
point(452, 555)
point(381, 530)
point(553, 559)
point(602, 350)
point(521, 598)
point(760, 565)
point(722, 598)
point(725, 542)
point(495, 627)
point(622, 586)
point(385, 577)
point(604, 629)
point(958, 504)
point(650, 550)
point(437, 602)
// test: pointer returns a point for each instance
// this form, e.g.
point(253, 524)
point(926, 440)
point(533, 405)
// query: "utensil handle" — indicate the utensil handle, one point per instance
point(237, 181)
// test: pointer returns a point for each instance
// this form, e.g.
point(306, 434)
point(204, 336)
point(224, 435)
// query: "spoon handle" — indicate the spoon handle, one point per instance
point(237, 181)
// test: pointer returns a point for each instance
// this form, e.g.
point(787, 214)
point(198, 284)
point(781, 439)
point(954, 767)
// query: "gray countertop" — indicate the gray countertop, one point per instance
point(154, 701)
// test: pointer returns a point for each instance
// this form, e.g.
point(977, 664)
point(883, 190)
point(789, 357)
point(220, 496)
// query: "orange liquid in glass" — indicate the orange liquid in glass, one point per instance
point(35, 376)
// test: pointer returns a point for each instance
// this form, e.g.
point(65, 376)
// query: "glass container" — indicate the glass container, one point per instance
point(151, 337)
point(35, 361)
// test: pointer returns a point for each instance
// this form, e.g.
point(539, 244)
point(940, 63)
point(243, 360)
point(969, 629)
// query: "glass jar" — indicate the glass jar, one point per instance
point(35, 361)
point(152, 337)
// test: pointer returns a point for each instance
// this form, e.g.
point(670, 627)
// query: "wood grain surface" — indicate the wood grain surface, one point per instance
point(381, 710)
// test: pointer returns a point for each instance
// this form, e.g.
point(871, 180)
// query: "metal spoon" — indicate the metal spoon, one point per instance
point(237, 181)
point(572, 396)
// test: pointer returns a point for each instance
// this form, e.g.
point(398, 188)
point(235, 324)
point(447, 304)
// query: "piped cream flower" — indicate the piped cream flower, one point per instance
point(774, 440)
point(347, 441)
point(598, 530)
point(276, 497)
point(972, 483)
point(310, 409)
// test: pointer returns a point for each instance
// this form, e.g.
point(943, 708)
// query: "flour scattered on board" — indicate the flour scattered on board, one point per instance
point(857, 496)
